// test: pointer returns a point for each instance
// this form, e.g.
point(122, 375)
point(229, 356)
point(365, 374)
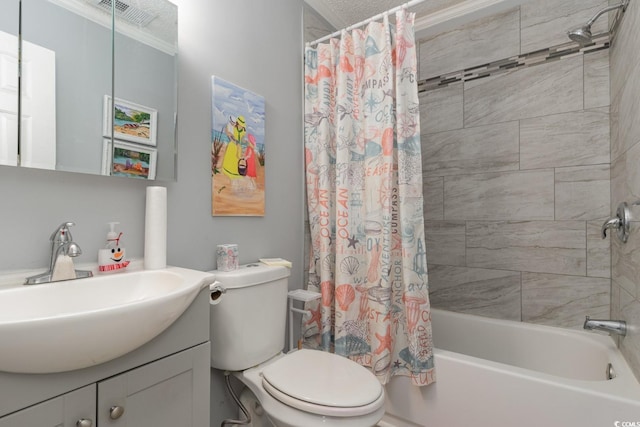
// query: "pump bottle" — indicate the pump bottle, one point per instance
point(112, 257)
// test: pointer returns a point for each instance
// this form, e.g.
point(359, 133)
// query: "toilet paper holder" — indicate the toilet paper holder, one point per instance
point(299, 295)
point(216, 290)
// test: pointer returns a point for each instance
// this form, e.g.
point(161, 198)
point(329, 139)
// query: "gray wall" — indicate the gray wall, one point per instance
point(516, 171)
point(259, 47)
point(315, 26)
point(9, 17)
point(625, 181)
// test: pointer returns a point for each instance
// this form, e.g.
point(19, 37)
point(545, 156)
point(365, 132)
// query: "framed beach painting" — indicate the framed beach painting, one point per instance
point(130, 160)
point(132, 122)
point(237, 150)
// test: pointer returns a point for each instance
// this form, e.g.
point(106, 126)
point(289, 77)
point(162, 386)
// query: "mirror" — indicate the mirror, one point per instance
point(146, 41)
point(9, 82)
point(70, 75)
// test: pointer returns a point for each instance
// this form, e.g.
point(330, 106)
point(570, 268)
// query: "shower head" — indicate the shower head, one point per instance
point(583, 34)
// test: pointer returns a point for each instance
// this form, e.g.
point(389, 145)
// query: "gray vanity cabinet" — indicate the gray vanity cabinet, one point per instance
point(69, 409)
point(165, 393)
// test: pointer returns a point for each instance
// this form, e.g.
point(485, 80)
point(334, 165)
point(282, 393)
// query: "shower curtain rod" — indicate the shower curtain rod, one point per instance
point(366, 21)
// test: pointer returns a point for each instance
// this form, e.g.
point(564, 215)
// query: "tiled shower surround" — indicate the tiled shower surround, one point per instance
point(625, 177)
point(522, 168)
point(516, 170)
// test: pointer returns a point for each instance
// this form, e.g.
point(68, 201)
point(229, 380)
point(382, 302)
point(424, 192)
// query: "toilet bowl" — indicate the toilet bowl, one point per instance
point(298, 390)
point(303, 388)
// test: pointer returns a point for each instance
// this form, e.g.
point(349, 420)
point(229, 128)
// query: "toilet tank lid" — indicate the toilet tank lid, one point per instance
point(250, 275)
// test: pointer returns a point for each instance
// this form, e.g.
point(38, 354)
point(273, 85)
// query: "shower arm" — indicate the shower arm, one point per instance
point(622, 5)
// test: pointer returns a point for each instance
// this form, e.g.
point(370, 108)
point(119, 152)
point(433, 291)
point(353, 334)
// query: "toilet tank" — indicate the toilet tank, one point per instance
point(248, 319)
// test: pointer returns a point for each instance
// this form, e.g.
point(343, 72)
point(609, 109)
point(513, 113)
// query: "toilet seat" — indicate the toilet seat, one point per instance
point(323, 383)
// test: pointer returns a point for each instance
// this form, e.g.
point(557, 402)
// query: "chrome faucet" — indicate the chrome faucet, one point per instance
point(621, 223)
point(618, 327)
point(61, 244)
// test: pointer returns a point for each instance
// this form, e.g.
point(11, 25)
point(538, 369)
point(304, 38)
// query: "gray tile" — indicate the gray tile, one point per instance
point(490, 293)
point(615, 301)
point(625, 126)
point(582, 192)
point(625, 260)
point(526, 195)
point(545, 22)
point(549, 88)
point(445, 242)
point(491, 148)
point(625, 178)
point(630, 344)
point(598, 251)
point(441, 109)
point(568, 139)
point(535, 246)
point(481, 41)
point(556, 300)
point(596, 79)
point(433, 198)
point(624, 45)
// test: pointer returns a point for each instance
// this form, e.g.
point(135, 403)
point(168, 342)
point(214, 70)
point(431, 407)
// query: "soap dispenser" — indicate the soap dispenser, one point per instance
point(112, 257)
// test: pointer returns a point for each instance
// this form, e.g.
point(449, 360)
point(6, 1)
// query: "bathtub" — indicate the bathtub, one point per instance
point(495, 373)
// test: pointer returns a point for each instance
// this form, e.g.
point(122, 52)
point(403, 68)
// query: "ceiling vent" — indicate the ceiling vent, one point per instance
point(131, 14)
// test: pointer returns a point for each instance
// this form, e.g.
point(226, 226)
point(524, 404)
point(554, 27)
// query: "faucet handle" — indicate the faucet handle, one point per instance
point(62, 233)
point(621, 223)
point(611, 223)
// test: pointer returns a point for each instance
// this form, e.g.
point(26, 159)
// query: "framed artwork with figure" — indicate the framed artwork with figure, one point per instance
point(237, 150)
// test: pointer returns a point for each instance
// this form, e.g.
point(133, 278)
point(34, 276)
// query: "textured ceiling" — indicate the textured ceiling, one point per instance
point(353, 11)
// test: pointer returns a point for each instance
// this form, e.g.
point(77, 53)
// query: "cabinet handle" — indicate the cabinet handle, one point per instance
point(116, 412)
point(83, 422)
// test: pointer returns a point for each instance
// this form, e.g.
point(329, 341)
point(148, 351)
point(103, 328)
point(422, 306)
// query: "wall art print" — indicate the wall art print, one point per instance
point(132, 122)
point(130, 160)
point(237, 150)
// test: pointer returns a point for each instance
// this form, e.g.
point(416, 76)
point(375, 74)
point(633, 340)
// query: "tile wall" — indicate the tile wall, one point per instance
point(625, 177)
point(516, 170)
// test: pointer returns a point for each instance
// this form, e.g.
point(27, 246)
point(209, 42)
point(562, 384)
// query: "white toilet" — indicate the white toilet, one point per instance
point(304, 388)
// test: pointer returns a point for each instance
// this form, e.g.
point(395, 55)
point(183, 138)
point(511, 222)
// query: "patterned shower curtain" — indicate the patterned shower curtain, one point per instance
point(364, 190)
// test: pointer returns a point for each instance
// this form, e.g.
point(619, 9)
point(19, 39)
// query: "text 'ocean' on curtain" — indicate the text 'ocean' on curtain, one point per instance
point(364, 194)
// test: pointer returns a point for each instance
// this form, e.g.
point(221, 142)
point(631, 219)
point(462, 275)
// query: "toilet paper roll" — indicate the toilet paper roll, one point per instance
point(227, 257)
point(155, 229)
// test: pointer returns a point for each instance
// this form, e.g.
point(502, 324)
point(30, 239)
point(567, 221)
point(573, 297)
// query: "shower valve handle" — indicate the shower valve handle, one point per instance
point(620, 223)
point(612, 223)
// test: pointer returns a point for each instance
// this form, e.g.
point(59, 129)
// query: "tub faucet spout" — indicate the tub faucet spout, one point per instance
point(618, 327)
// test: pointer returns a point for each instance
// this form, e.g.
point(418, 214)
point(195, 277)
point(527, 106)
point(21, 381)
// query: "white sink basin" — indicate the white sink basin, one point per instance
point(64, 326)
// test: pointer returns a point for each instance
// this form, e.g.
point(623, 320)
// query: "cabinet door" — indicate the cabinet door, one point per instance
point(170, 392)
point(67, 410)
